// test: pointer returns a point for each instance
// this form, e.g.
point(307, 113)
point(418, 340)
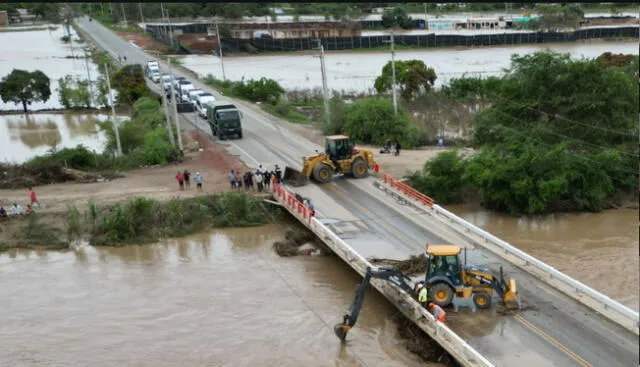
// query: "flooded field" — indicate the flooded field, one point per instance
point(25, 136)
point(217, 299)
point(598, 249)
point(43, 50)
point(356, 72)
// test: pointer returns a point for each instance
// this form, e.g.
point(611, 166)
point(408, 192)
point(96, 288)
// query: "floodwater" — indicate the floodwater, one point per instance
point(217, 299)
point(24, 136)
point(43, 50)
point(599, 249)
point(354, 72)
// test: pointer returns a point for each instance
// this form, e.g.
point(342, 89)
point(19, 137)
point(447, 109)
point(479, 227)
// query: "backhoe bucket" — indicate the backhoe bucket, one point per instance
point(341, 331)
point(511, 299)
point(294, 177)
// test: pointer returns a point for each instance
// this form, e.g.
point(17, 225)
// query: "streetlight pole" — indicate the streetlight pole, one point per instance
point(86, 61)
point(165, 102)
point(175, 111)
point(113, 111)
point(141, 14)
point(325, 89)
point(124, 16)
point(393, 74)
point(220, 50)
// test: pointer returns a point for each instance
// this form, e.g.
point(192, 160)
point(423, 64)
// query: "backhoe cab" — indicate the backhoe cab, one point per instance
point(339, 157)
point(446, 276)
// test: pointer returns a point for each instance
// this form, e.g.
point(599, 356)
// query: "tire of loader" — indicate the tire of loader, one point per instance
point(482, 300)
point(322, 173)
point(359, 169)
point(441, 294)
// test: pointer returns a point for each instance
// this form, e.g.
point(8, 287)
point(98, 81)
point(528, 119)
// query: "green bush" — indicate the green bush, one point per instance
point(261, 90)
point(373, 121)
point(79, 158)
point(441, 178)
point(156, 148)
point(145, 104)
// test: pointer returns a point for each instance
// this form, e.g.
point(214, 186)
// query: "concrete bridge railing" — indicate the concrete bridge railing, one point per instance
point(450, 341)
point(588, 296)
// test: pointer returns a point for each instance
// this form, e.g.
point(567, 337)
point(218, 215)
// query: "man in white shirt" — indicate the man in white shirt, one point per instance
point(16, 209)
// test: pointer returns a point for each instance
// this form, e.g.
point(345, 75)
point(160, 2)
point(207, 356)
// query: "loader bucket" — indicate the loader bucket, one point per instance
point(341, 331)
point(511, 298)
point(294, 177)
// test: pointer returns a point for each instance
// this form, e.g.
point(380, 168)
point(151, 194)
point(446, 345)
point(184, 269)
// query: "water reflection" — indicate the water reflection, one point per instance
point(25, 136)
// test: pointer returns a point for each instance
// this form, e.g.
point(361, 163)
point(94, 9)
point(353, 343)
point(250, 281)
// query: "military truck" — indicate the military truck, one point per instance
point(224, 119)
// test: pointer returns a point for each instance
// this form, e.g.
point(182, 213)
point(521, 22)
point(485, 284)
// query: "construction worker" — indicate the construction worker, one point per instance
point(437, 311)
point(423, 297)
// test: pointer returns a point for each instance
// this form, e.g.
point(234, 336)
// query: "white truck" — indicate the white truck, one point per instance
point(192, 96)
point(201, 103)
point(153, 71)
point(166, 82)
point(184, 92)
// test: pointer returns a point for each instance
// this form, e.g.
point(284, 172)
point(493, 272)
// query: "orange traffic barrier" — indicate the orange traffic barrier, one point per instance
point(407, 190)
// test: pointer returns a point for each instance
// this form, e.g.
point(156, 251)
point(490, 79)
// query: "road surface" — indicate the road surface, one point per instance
point(551, 330)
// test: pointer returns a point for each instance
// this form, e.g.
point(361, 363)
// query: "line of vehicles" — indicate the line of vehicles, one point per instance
point(223, 117)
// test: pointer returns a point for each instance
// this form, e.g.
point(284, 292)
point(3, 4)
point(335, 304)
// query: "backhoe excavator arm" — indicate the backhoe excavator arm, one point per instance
point(390, 274)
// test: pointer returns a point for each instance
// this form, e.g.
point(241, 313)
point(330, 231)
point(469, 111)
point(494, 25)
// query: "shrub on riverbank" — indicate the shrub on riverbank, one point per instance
point(142, 220)
point(560, 135)
point(260, 90)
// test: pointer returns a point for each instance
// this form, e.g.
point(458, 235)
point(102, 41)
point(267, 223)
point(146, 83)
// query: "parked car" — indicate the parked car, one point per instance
point(193, 94)
point(201, 103)
point(166, 81)
point(184, 92)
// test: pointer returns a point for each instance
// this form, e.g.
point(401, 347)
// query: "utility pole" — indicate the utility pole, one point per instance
point(165, 102)
point(325, 89)
point(393, 74)
point(220, 50)
point(175, 110)
point(86, 61)
point(124, 16)
point(113, 111)
point(141, 14)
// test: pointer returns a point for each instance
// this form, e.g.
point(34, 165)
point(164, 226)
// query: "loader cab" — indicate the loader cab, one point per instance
point(443, 261)
point(338, 147)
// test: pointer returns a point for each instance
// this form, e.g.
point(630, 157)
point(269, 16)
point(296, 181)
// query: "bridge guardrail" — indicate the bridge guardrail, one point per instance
point(456, 346)
point(615, 311)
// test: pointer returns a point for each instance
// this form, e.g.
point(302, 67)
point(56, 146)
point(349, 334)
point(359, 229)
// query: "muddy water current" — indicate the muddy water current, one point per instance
point(217, 299)
point(356, 72)
point(25, 136)
point(598, 249)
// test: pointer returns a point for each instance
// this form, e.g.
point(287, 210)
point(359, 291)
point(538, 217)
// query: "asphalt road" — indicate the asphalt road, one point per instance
point(552, 330)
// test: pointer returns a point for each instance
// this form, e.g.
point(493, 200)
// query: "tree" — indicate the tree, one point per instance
point(396, 17)
point(556, 17)
point(412, 76)
point(25, 87)
point(130, 83)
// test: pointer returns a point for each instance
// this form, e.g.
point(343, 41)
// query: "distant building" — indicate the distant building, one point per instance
point(4, 18)
point(295, 30)
point(442, 24)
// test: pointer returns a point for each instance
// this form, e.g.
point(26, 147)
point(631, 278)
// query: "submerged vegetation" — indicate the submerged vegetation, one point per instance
point(140, 220)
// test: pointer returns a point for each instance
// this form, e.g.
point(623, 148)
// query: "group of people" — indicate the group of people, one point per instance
point(262, 177)
point(184, 180)
point(17, 209)
point(388, 147)
point(423, 299)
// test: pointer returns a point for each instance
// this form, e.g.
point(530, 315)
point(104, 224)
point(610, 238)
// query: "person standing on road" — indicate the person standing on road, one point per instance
point(397, 152)
point(423, 297)
point(187, 178)
point(232, 179)
point(278, 173)
point(259, 179)
point(198, 179)
point(267, 180)
point(180, 179)
point(32, 197)
point(438, 312)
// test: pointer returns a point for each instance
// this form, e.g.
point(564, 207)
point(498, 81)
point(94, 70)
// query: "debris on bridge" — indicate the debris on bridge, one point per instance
point(421, 344)
point(414, 265)
point(298, 242)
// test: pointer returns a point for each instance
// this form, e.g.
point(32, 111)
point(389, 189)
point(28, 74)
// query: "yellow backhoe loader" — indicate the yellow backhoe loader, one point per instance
point(445, 277)
point(339, 157)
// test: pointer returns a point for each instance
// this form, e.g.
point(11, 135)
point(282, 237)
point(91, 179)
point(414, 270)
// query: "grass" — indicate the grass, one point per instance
point(141, 220)
point(287, 112)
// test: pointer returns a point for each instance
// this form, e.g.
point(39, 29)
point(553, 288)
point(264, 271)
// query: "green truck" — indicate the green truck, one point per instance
point(224, 119)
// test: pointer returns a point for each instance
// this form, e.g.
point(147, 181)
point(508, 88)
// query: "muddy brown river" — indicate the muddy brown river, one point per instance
point(226, 299)
point(217, 299)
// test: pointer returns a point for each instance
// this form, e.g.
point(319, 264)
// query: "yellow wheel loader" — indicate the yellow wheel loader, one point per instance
point(339, 157)
point(446, 276)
